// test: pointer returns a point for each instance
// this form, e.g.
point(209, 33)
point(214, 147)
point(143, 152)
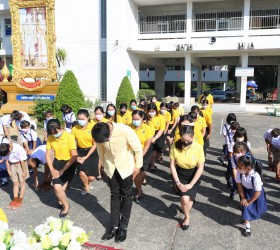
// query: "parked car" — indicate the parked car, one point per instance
point(219, 95)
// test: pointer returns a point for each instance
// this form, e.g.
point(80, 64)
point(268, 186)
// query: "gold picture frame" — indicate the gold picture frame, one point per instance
point(33, 39)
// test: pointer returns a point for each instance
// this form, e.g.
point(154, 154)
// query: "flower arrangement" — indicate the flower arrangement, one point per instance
point(54, 234)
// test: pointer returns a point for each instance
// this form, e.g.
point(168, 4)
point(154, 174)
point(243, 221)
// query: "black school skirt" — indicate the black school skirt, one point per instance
point(159, 144)
point(185, 177)
point(67, 175)
point(146, 159)
point(172, 135)
point(90, 165)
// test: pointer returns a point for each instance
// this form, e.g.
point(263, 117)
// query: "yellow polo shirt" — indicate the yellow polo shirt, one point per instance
point(177, 134)
point(207, 116)
point(175, 116)
point(144, 133)
point(180, 110)
point(123, 119)
point(83, 136)
point(188, 158)
point(94, 121)
point(158, 105)
point(167, 116)
point(158, 121)
point(62, 147)
point(198, 126)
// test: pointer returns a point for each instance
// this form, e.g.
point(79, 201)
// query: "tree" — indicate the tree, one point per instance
point(125, 92)
point(145, 94)
point(40, 107)
point(69, 93)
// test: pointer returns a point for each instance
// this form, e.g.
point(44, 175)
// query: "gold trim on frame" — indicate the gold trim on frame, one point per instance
point(50, 72)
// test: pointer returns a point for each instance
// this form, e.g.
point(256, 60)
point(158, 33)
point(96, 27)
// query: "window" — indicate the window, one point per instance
point(8, 27)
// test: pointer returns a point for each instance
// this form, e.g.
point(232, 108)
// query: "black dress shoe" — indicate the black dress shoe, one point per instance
point(121, 236)
point(110, 234)
point(184, 227)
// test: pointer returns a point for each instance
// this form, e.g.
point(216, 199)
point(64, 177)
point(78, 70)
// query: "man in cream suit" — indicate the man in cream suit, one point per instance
point(120, 152)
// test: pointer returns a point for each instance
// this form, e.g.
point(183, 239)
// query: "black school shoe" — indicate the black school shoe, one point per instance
point(121, 236)
point(110, 234)
point(247, 232)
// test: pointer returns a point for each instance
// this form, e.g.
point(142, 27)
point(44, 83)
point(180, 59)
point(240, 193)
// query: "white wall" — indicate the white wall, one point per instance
point(77, 30)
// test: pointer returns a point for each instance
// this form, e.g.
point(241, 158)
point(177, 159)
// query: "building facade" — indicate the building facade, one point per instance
point(109, 39)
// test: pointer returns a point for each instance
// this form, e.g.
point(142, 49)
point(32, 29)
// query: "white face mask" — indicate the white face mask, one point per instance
point(239, 139)
point(98, 117)
point(154, 101)
point(152, 114)
point(163, 111)
point(205, 107)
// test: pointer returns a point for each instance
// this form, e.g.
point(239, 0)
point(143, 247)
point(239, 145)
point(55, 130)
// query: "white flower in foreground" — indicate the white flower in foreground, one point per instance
point(50, 219)
point(55, 237)
point(42, 230)
point(74, 245)
point(3, 225)
point(19, 239)
point(55, 224)
point(36, 246)
point(23, 247)
point(2, 246)
point(75, 232)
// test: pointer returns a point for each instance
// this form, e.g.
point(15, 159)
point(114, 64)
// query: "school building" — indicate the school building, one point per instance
point(162, 41)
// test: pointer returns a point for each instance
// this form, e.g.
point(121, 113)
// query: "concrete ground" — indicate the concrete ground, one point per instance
point(215, 219)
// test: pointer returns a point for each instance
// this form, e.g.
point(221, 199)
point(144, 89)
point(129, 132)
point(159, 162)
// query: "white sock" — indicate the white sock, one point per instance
point(247, 226)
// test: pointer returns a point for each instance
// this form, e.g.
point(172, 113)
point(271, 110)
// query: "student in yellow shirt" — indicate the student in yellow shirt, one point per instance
point(122, 116)
point(173, 123)
point(206, 111)
point(145, 135)
point(158, 139)
point(154, 100)
point(142, 105)
point(111, 113)
point(207, 96)
point(133, 106)
point(199, 125)
point(187, 165)
point(179, 109)
point(185, 120)
point(87, 161)
point(167, 118)
point(62, 168)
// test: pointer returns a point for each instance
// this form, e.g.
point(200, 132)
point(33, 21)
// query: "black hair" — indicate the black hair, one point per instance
point(240, 132)
point(24, 124)
point(66, 109)
point(177, 104)
point(234, 125)
point(231, 117)
point(99, 108)
point(152, 106)
point(205, 101)
point(184, 118)
point(16, 115)
point(140, 113)
point(52, 126)
point(83, 112)
point(107, 116)
point(241, 146)
point(133, 101)
point(101, 132)
point(193, 115)
point(195, 108)
point(164, 104)
point(206, 93)
point(250, 161)
point(48, 112)
point(4, 149)
point(74, 123)
point(123, 105)
point(184, 130)
point(142, 100)
point(275, 132)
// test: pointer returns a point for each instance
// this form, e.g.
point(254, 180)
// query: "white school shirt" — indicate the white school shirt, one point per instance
point(6, 120)
point(31, 135)
point(40, 154)
point(225, 128)
point(69, 117)
point(267, 135)
point(276, 142)
point(17, 154)
point(25, 117)
point(246, 181)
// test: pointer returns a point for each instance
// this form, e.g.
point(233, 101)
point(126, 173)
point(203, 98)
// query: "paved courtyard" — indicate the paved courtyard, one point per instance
point(215, 219)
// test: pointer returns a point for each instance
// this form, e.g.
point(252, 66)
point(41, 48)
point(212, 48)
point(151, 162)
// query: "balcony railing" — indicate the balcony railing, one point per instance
point(265, 22)
point(159, 27)
point(220, 24)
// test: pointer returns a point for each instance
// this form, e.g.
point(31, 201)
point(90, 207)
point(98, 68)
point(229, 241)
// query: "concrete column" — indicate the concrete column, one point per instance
point(244, 62)
point(189, 18)
point(246, 22)
point(199, 84)
point(224, 85)
point(278, 84)
point(188, 78)
point(238, 84)
point(160, 81)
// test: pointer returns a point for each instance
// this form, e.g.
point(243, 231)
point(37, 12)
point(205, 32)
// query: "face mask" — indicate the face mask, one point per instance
point(163, 111)
point(82, 123)
point(98, 117)
point(186, 144)
point(133, 107)
point(152, 114)
point(136, 123)
point(205, 107)
point(58, 134)
point(154, 101)
point(24, 130)
point(111, 112)
point(122, 112)
point(238, 155)
point(239, 139)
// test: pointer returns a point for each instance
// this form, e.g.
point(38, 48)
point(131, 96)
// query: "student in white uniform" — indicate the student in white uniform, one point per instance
point(268, 136)
point(275, 150)
point(19, 116)
point(250, 187)
point(68, 116)
point(15, 158)
point(38, 157)
point(5, 123)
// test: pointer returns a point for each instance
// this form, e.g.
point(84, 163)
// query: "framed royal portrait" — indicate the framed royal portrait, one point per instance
point(33, 39)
